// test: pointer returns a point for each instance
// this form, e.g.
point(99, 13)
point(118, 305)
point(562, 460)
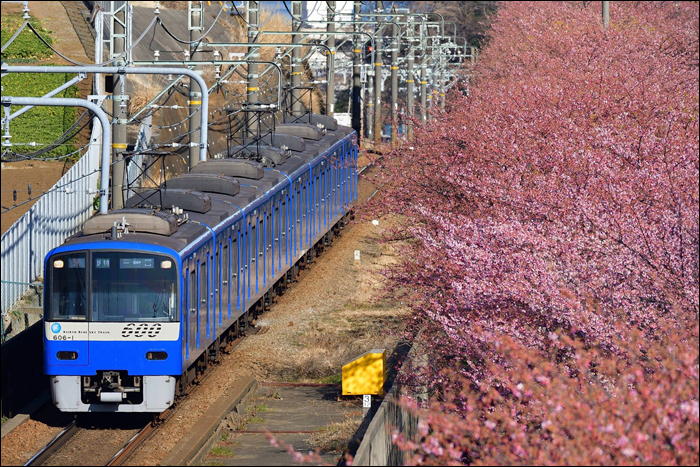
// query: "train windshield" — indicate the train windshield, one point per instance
point(68, 286)
point(128, 286)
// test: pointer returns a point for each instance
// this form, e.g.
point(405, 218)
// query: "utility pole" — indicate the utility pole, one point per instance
point(423, 81)
point(296, 59)
point(195, 13)
point(119, 101)
point(356, 84)
point(378, 75)
point(252, 20)
point(410, 80)
point(442, 76)
point(330, 79)
point(369, 96)
point(606, 14)
point(394, 84)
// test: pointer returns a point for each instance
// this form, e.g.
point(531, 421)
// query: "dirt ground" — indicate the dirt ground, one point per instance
point(41, 175)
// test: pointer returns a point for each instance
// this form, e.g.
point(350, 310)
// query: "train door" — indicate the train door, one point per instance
point(192, 314)
point(293, 220)
point(277, 235)
point(202, 308)
point(267, 277)
point(271, 238)
point(308, 219)
point(318, 210)
point(333, 179)
point(284, 229)
point(302, 215)
point(225, 294)
point(311, 211)
point(250, 259)
point(216, 288)
point(254, 249)
point(341, 180)
point(323, 187)
point(263, 247)
point(237, 270)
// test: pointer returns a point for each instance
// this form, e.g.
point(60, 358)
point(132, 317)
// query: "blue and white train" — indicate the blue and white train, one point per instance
point(143, 298)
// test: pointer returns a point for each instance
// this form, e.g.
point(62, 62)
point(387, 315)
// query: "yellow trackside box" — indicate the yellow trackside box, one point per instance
point(365, 374)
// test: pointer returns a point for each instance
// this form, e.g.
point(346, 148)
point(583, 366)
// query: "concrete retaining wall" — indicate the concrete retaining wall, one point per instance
point(376, 447)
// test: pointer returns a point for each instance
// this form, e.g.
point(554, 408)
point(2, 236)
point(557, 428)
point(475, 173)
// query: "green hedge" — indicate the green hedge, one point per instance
point(40, 124)
point(26, 46)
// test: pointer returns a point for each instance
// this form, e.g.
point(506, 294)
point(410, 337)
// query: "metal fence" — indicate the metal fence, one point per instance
point(57, 215)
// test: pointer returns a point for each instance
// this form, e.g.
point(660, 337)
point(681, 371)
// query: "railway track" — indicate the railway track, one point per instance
point(75, 445)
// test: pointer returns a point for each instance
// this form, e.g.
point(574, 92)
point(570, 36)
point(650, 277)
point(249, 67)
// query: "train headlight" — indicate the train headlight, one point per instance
point(67, 355)
point(156, 355)
point(58, 264)
point(167, 264)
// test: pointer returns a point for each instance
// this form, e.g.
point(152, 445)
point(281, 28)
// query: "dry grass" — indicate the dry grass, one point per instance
point(328, 344)
point(335, 436)
point(144, 90)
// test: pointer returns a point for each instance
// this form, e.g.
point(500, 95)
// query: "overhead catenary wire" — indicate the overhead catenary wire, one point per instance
point(154, 108)
point(182, 41)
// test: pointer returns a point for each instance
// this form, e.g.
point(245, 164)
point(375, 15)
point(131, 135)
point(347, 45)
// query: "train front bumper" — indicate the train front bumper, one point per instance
point(158, 395)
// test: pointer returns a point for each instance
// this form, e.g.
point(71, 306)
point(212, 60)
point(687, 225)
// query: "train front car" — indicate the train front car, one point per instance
point(111, 327)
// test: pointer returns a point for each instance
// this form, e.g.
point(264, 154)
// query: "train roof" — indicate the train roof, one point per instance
point(208, 199)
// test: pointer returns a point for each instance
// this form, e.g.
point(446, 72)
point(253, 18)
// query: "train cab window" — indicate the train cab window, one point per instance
point(68, 287)
point(128, 286)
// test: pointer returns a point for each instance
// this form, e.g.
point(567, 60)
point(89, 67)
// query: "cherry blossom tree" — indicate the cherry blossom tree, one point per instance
point(551, 230)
